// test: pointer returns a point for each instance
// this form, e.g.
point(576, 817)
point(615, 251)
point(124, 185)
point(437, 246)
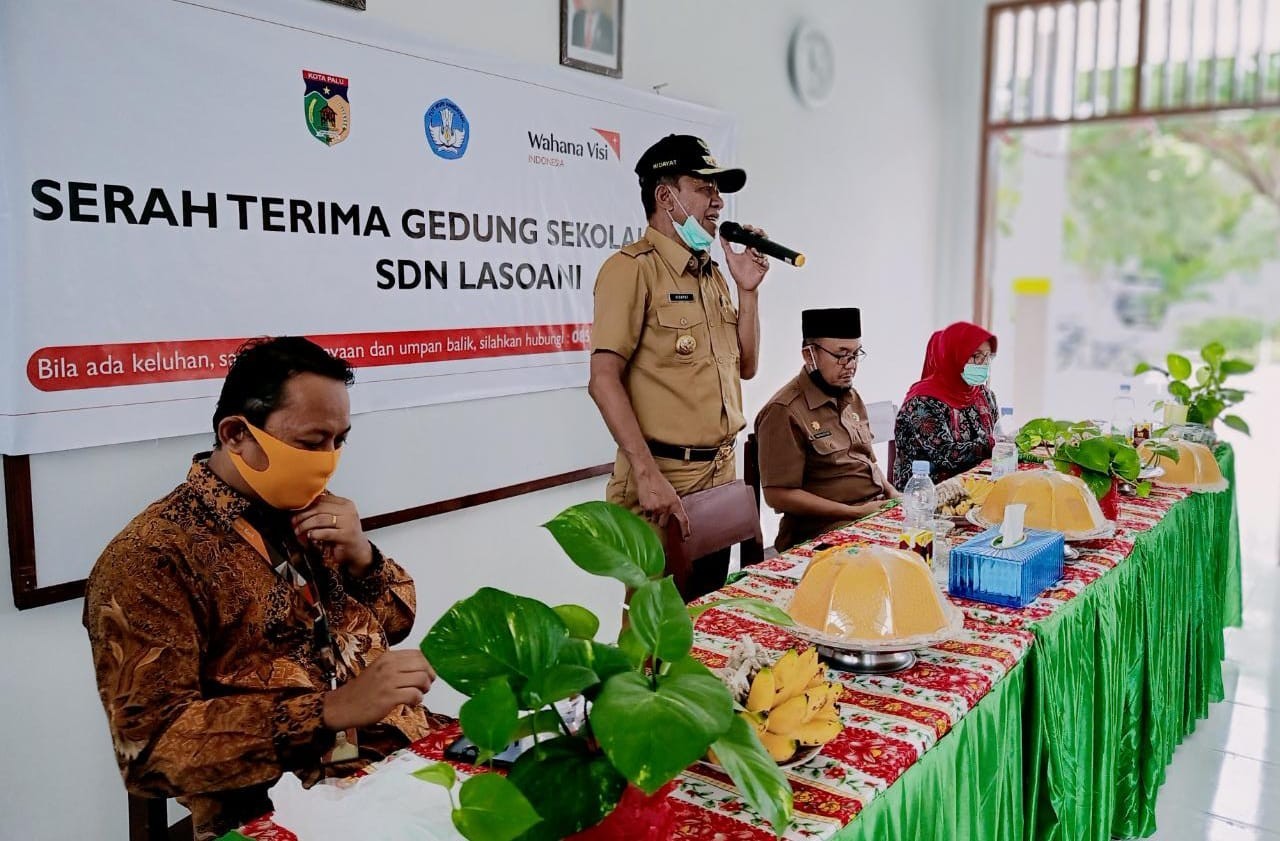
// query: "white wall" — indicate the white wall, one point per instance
point(876, 187)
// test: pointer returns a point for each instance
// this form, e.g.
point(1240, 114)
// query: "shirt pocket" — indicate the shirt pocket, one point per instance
point(682, 332)
point(826, 446)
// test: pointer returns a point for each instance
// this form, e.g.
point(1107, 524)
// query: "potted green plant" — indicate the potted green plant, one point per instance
point(652, 709)
point(1103, 462)
point(1203, 390)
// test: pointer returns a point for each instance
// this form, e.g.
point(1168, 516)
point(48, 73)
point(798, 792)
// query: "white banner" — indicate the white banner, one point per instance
point(176, 178)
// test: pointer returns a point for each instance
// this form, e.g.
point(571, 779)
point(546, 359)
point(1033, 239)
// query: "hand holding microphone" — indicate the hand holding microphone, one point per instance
point(755, 238)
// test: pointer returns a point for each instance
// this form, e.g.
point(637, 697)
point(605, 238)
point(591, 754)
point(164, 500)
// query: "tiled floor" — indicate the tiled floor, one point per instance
point(1224, 783)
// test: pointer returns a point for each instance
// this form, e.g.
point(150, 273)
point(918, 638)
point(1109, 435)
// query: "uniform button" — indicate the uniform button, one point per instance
point(684, 322)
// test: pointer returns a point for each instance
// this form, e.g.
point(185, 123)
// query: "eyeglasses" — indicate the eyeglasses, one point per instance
point(982, 358)
point(843, 358)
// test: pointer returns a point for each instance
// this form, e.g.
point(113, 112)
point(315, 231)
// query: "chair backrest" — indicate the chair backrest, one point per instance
point(149, 821)
point(752, 552)
point(883, 416)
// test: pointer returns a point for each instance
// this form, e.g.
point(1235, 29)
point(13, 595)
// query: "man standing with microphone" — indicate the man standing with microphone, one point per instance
point(670, 349)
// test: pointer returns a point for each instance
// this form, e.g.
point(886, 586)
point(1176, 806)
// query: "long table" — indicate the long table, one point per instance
point(1055, 721)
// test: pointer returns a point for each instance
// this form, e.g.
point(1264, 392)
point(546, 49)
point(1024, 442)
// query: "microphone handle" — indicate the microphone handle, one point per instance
point(769, 248)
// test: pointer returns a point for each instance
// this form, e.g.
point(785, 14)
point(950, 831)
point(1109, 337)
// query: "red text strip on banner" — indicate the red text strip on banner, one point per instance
point(73, 367)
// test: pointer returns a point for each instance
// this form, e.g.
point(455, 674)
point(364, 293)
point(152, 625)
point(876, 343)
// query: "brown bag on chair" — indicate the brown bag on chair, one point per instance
point(718, 518)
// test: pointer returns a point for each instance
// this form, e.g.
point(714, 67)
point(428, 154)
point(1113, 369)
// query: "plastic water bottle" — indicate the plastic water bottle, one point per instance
point(919, 497)
point(1004, 455)
point(1123, 411)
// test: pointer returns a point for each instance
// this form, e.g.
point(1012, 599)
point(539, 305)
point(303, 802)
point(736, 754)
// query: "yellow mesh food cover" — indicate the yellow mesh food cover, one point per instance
point(1196, 468)
point(1055, 502)
point(868, 593)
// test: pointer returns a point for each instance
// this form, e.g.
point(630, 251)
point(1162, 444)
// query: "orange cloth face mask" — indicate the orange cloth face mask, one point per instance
point(293, 479)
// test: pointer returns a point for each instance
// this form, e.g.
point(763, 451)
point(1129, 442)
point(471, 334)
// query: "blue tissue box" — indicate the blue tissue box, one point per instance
point(1007, 577)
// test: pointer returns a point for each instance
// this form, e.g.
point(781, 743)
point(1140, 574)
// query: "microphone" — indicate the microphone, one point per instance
point(733, 232)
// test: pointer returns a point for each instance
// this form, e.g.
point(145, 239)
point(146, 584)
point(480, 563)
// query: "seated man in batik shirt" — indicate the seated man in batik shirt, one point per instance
point(241, 625)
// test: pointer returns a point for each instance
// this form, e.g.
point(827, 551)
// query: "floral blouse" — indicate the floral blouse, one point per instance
point(951, 440)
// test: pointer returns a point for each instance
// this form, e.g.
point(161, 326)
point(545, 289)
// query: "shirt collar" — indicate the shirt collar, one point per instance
point(680, 259)
point(225, 503)
point(813, 396)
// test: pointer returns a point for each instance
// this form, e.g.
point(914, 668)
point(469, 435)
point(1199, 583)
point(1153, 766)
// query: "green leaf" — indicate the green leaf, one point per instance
point(1143, 489)
point(1209, 408)
point(1091, 454)
point(1142, 368)
point(493, 634)
point(630, 644)
point(689, 666)
point(1126, 463)
point(1202, 375)
point(490, 717)
point(491, 808)
point(1231, 367)
point(542, 721)
point(556, 683)
point(1179, 366)
point(603, 659)
point(1231, 396)
point(660, 620)
point(1213, 353)
point(651, 735)
point(582, 623)
point(441, 774)
point(1180, 391)
point(1099, 483)
point(608, 540)
point(569, 786)
point(1237, 423)
point(759, 779)
point(761, 609)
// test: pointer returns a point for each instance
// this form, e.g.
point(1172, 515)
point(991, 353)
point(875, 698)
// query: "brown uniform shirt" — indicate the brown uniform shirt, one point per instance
point(810, 440)
point(206, 658)
point(671, 317)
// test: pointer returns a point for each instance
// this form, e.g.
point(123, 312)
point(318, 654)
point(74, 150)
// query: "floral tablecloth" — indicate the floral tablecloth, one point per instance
point(891, 720)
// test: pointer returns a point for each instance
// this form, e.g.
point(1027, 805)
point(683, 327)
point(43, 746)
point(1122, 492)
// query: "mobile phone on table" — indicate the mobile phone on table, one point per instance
point(464, 750)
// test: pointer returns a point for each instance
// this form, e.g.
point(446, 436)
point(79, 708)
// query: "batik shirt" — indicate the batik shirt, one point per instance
point(207, 659)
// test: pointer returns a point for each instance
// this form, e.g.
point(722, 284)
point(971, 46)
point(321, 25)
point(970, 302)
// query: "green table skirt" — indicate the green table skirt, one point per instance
point(1073, 743)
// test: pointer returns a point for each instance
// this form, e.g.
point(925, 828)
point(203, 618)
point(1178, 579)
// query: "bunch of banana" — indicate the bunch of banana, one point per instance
point(956, 496)
point(791, 705)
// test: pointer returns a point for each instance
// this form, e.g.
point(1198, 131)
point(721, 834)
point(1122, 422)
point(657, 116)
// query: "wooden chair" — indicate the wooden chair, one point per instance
point(149, 821)
point(752, 552)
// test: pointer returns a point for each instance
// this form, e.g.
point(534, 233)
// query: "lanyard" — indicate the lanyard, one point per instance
point(310, 591)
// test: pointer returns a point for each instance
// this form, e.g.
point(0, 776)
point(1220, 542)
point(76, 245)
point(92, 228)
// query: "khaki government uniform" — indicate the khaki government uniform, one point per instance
point(668, 312)
point(810, 440)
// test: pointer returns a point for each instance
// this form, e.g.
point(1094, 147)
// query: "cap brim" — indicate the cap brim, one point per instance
point(728, 180)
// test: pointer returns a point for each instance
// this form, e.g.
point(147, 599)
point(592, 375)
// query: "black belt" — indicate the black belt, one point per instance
point(672, 451)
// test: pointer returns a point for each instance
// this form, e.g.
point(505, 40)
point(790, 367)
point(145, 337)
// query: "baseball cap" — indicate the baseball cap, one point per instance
point(684, 154)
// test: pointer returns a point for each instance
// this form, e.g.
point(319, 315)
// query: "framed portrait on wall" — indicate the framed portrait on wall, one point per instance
point(591, 35)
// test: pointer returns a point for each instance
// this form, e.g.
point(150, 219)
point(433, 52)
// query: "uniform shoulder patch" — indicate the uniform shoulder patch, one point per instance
point(635, 249)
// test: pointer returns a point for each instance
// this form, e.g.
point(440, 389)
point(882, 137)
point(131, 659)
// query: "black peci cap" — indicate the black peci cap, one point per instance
point(833, 323)
point(684, 154)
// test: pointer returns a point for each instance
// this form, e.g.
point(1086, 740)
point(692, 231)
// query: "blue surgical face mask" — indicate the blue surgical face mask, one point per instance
point(976, 374)
point(693, 234)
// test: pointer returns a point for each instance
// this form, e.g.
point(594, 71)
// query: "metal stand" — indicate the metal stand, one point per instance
point(867, 662)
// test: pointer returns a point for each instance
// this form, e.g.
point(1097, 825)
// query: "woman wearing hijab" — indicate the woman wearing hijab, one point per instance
point(949, 417)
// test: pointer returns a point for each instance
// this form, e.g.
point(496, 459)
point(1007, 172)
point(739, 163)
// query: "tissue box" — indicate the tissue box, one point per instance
point(1007, 577)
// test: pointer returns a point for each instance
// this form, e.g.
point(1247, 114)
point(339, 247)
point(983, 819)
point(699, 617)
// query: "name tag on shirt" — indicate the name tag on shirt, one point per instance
point(681, 297)
point(826, 433)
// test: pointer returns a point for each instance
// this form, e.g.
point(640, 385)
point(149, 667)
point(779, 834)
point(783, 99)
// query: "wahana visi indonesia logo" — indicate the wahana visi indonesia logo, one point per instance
point(448, 131)
point(549, 144)
point(326, 107)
